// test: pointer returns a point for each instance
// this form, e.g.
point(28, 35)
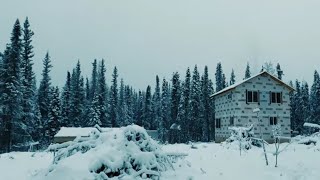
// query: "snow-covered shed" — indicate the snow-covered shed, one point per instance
point(235, 105)
point(70, 133)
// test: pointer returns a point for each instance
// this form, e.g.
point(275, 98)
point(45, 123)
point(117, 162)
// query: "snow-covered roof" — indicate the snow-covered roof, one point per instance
point(245, 80)
point(74, 131)
point(311, 125)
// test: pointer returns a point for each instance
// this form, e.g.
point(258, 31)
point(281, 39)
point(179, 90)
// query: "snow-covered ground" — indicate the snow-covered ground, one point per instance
point(206, 161)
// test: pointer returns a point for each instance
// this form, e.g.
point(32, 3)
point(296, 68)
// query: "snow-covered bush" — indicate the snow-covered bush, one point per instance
point(241, 136)
point(126, 153)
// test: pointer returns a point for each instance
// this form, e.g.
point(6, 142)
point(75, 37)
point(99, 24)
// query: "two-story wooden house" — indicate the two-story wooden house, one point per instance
point(235, 105)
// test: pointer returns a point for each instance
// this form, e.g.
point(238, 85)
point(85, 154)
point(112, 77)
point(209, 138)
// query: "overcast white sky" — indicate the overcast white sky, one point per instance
point(144, 38)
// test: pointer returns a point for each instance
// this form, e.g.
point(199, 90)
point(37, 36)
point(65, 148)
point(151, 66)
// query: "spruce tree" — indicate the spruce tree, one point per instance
point(44, 89)
point(139, 110)
point(114, 98)
point(220, 80)
point(147, 119)
point(102, 93)
point(165, 112)
point(94, 112)
point(66, 102)
point(77, 98)
point(232, 78)
point(315, 99)
point(305, 102)
point(184, 111)
point(175, 101)
point(156, 105)
point(196, 129)
point(94, 80)
point(54, 116)
point(14, 130)
point(207, 110)
point(247, 73)
point(224, 81)
point(297, 109)
point(28, 81)
point(121, 104)
point(128, 106)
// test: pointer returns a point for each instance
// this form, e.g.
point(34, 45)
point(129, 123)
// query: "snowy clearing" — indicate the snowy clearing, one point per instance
point(204, 161)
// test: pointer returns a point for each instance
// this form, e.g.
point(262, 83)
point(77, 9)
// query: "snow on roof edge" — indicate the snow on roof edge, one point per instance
point(245, 80)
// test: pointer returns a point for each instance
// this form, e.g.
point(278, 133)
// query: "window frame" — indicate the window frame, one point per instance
point(231, 121)
point(276, 97)
point(273, 120)
point(218, 123)
point(252, 96)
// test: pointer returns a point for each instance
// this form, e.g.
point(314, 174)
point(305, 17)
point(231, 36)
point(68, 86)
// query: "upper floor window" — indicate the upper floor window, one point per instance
point(218, 123)
point(273, 121)
point(230, 96)
point(275, 97)
point(252, 96)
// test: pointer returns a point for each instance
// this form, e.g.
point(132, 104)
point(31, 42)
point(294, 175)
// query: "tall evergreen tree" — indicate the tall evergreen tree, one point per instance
point(293, 107)
point(297, 109)
point(114, 98)
point(121, 118)
point(66, 102)
point(28, 81)
point(247, 73)
point(147, 119)
point(44, 89)
point(315, 99)
point(184, 109)
point(196, 129)
point(77, 98)
point(139, 110)
point(54, 116)
point(232, 78)
point(165, 112)
point(94, 80)
point(305, 102)
point(207, 110)
point(156, 105)
point(102, 93)
point(10, 92)
point(220, 81)
point(175, 101)
point(94, 112)
point(128, 106)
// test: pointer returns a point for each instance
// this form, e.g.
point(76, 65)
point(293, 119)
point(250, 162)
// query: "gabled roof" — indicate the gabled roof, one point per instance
point(245, 80)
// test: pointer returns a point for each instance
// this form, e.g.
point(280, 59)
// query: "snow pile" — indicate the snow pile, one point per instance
point(126, 153)
point(312, 139)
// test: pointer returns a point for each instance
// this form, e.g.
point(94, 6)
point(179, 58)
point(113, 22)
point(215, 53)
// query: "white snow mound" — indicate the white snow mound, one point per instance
point(124, 153)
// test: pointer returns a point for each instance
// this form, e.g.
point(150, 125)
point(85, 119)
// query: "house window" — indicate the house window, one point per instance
point(252, 96)
point(218, 123)
point(276, 97)
point(273, 121)
point(232, 121)
point(230, 96)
